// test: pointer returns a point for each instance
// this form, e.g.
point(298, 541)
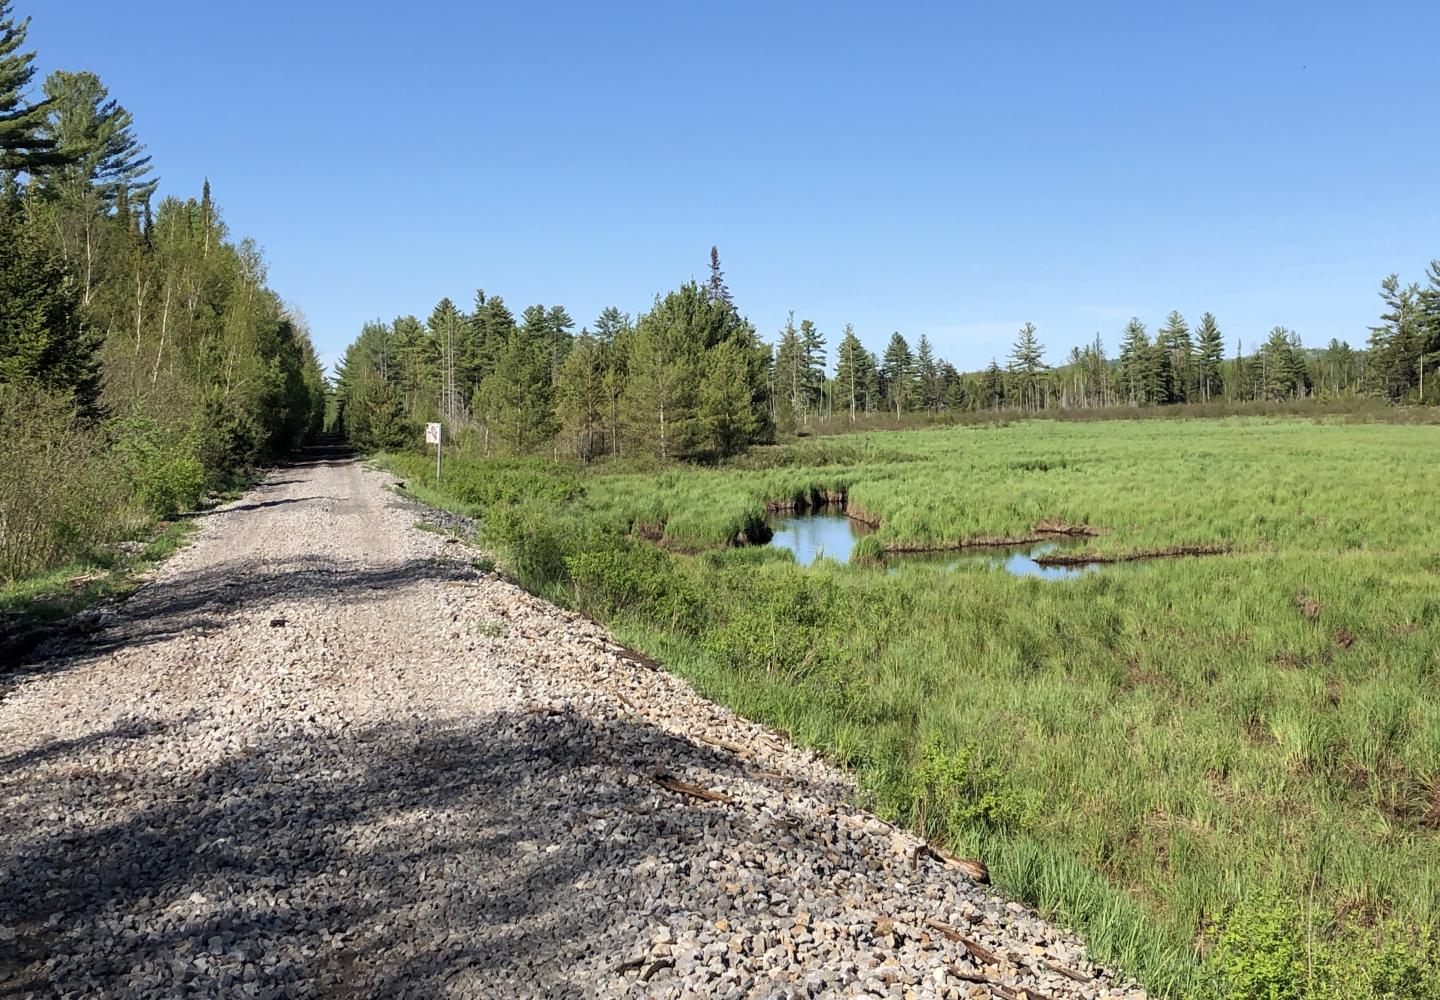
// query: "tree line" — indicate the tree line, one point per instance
point(691, 379)
point(143, 359)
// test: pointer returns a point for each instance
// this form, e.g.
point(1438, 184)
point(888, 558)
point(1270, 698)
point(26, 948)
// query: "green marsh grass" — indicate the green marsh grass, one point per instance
point(1185, 759)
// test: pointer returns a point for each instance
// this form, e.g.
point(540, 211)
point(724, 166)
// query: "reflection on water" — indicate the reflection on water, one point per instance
point(830, 534)
point(1017, 560)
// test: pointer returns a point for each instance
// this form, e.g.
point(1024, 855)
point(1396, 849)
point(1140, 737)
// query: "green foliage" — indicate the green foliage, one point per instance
point(955, 788)
point(164, 475)
point(43, 343)
point(23, 145)
point(61, 496)
point(1274, 948)
point(142, 356)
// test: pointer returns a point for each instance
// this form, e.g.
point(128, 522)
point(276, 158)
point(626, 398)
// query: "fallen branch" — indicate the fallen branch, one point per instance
point(685, 788)
point(973, 867)
point(1079, 977)
point(1093, 559)
point(983, 956)
point(722, 744)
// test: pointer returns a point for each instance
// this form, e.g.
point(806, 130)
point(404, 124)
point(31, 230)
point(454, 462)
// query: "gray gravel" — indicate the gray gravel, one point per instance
point(321, 754)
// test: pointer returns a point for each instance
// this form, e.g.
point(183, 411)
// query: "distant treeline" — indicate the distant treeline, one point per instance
point(691, 378)
point(143, 360)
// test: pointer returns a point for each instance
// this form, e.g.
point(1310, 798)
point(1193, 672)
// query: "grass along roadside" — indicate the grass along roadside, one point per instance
point(33, 607)
point(1225, 772)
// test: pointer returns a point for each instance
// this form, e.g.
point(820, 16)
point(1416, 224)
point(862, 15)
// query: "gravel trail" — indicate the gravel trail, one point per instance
point(321, 754)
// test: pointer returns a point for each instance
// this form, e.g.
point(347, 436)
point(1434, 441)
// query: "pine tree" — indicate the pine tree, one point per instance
point(612, 330)
point(897, 373)
point(1209, 357)
point(929, 384)
point(23, 146)
point(812, 364)
point(1282, 365)
point(658, 405)
point(726, 409)
point(992, 386)
point(581, 397)
point(1428, 305)
point(447, 329)
point(43, 344)
point(1172, 351)
point(1136, 364)
point(95, 135)
point(799, 362)
point(1395, 344)
point(1026, 364)
point(850, 370)
point(514, 399)
point(716, 288)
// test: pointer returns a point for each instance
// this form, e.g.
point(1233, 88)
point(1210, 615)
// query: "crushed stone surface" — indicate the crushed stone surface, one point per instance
point(321, 753)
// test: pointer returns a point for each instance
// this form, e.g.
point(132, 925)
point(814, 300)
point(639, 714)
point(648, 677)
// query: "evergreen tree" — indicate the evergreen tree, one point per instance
point(1429, 306)
point(930, 386)
point(1026, 365)
point(728, 417)
point(447, 328)
point(96, 136)
point(812, 363)
point(43, 344)
point(717, 289)
point(800, 367)
point(23, 145)
point(851, 369)
point(992, 387)
point(954, 396)
point(1338, 367)
point(581, 397)
point(612, 330)
point(1395, 344)
point(1209, 357)
point(897, 373)
point(664, 369)
point(514, 399)
point(549, 327)
point(1282, 366)
point(1136, 364)
point(1172, 354)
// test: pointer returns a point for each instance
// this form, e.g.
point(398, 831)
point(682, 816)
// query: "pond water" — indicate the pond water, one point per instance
point(1017, 560)
point(829, 533)
point(823, 533)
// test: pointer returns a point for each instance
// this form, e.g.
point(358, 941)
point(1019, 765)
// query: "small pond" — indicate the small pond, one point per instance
point(829, 533)
point(826, 532)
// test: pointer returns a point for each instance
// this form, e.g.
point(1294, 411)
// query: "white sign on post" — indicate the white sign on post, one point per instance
point(432, 436)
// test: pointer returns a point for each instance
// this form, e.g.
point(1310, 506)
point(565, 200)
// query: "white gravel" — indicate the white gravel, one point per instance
point(320, 754)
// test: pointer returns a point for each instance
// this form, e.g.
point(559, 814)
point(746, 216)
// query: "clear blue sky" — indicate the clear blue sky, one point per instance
point(952, 169)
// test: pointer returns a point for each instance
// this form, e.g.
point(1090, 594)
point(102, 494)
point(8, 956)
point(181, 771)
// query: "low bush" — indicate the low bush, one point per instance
point(62, 493)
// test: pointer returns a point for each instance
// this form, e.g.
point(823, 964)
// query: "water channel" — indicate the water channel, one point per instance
point(828, 533)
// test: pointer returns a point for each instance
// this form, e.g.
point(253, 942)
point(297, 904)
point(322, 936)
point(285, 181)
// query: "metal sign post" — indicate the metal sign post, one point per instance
point(432, 436)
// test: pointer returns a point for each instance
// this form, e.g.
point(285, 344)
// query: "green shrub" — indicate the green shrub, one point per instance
point(61, 492)
point(868, 550)
point(165, 475)
point(1263, 952)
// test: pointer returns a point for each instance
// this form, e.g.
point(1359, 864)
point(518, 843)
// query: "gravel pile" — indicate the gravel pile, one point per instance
point(321, 754)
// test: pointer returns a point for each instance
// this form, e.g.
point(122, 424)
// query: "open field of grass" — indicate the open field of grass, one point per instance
point(1225, 770)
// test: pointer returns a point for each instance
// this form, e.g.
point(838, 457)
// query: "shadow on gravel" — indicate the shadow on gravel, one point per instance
point(201, 602)
point(493, 859)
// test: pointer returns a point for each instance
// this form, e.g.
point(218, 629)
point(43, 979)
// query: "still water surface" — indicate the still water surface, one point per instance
point(830, 534)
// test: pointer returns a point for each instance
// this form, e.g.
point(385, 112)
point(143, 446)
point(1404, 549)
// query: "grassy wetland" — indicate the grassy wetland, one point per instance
point(1223, 769)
